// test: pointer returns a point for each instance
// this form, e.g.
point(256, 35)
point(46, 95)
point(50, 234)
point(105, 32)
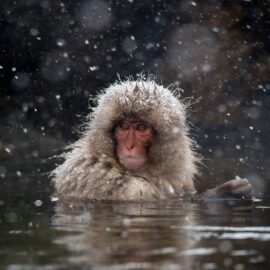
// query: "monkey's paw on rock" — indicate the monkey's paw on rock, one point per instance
point(233, 189)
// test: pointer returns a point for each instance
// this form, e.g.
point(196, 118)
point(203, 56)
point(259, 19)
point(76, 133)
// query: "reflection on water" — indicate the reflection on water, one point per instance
point(166, 235)
point(128, 235)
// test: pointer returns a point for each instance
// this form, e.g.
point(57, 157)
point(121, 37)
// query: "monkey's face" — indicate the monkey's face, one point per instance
point(132, 138)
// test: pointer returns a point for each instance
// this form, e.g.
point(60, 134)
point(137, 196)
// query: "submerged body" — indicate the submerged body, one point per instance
point(136, 147)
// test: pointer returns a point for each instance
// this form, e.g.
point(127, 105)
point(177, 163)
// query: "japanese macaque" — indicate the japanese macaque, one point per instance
point(136, 148)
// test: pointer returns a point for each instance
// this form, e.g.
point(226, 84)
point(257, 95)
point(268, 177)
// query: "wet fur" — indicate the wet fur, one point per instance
point(91, 169)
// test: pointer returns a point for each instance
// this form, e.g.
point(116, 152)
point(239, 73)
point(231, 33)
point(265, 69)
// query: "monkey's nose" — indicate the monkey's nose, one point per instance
point(131, 142)
point(130, 145)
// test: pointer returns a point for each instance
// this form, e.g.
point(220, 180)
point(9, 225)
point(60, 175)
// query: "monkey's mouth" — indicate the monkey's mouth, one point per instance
point(131, 162)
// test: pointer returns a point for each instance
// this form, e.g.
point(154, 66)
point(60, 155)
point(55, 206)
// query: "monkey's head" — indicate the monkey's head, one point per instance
point(141, 124)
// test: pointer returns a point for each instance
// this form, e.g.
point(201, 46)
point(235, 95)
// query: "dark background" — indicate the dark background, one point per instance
point(54, 55)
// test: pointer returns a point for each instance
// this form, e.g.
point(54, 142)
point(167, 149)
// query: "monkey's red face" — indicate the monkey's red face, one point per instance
point(132, 138)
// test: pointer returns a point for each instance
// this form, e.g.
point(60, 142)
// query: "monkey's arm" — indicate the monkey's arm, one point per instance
point(233, 189)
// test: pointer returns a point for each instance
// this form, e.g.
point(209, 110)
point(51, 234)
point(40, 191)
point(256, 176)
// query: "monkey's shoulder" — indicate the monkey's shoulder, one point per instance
point(91, 175)
point(99, 177)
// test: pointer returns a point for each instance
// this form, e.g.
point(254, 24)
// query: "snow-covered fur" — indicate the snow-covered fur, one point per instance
point(91, 169)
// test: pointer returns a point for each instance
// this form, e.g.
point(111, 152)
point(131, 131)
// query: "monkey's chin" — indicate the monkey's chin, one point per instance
point(132, 163)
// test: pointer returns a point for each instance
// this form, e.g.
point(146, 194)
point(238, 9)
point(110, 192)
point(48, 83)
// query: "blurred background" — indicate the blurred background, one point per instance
point(56, 54)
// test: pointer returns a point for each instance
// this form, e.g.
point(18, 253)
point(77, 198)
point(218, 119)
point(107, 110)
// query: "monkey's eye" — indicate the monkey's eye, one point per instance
point(124, 126)
point(142, 127)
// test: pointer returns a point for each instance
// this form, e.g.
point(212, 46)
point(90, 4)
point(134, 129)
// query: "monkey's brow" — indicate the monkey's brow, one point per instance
point(134, 121)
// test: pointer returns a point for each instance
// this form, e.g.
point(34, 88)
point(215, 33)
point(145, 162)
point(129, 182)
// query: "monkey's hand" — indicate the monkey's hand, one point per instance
point(233, 189)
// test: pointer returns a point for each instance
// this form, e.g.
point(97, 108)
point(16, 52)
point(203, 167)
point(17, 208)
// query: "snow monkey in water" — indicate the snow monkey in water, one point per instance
point(136, 147)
